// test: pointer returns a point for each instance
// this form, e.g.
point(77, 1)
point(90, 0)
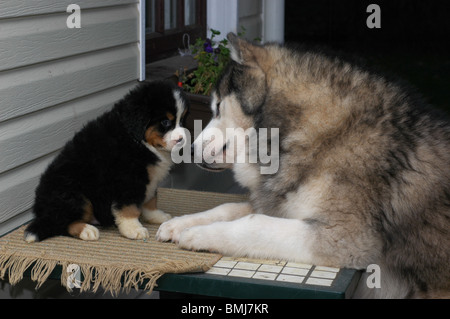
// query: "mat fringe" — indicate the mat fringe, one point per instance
point(112, 278)
point(16, 257)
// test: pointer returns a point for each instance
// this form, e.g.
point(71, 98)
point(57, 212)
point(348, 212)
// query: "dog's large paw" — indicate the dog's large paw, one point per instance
point(200, 238)
point(171, 230)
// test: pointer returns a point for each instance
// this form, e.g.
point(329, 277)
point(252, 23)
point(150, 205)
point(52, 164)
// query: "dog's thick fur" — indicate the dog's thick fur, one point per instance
point(109, 171)
point(363, 172)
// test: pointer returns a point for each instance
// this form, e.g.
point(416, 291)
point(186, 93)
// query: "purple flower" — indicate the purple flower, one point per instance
point(207, 46)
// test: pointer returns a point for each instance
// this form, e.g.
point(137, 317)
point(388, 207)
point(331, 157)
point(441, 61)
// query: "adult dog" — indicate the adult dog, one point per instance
point(363, 173)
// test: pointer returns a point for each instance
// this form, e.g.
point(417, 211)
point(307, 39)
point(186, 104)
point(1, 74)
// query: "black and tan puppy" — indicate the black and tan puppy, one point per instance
point(108, 173)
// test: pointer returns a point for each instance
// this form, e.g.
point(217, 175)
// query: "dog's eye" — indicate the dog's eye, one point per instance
point(166, 123)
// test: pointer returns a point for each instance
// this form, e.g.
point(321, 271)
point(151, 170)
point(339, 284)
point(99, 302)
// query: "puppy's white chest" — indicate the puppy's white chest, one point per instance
point(156, 173)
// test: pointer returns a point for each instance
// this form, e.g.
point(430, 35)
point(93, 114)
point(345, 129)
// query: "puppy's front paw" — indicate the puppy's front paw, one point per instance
point(134, 232)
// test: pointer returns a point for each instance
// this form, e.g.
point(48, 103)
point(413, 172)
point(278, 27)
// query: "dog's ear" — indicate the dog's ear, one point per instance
point(246, 53)
point(252, 83)
point(235, 48)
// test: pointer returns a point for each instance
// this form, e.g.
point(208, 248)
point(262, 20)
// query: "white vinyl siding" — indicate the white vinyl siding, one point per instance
point(250, 17)
point(262, 19)
point(52, 81)
point(16, 8)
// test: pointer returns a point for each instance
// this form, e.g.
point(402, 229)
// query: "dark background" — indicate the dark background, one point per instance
point(412, 43)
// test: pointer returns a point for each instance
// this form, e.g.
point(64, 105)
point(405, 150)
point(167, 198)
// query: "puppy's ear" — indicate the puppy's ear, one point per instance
point(134, 123)
point(246, 53)
point(131, 113)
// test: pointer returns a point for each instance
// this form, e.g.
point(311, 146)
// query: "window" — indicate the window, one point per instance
point(166, 23)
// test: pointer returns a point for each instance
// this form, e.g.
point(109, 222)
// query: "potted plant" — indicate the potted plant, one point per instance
point(212, 56)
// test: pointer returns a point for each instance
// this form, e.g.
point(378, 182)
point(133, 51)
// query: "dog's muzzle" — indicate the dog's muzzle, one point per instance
point(206, 166)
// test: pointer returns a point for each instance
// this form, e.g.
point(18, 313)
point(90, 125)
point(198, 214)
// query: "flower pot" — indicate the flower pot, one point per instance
point(200, 110)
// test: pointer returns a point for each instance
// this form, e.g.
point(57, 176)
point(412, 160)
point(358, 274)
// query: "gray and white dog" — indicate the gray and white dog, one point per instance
point(363, 174)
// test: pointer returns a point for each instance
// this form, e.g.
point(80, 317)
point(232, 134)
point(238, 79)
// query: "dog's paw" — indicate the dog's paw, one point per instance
point(136, 232)
point(199, 238)
point(156, 216)
point(89, 232)
point(171, 230)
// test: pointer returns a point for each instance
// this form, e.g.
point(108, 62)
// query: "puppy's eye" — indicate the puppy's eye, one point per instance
point(166, 123)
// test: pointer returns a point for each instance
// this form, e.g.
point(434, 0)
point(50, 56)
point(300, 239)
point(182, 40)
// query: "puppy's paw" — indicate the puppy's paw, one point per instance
point(141, 233)
point(30, 237)
point(156, 216)
point(89, 232)
point(134, 232)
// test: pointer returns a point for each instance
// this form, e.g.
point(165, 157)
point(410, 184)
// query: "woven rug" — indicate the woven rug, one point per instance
point(113, 262)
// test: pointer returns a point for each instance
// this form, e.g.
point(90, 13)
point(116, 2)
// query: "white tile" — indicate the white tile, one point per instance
point(298, 265)
point(265, 275)
point(295, 271)
point(323, 268)
point(218, 271)
point(260, 261)
point(270, 262)
point(241, 273)
point(289, 278)
point(247, 266)
point(319, 282)
point(270, 268)
point(225, 263)
point(323, 274)
point(228, 258)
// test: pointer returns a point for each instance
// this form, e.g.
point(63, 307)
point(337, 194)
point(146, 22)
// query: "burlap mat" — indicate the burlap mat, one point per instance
point(113, 262)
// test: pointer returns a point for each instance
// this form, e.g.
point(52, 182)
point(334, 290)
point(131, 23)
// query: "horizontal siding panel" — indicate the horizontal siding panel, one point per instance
point(36, 87)
point(17, 187)
point(53, 80)
point(18, 8)
point(43, 38)
point(15, 222)
point(27, 138)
